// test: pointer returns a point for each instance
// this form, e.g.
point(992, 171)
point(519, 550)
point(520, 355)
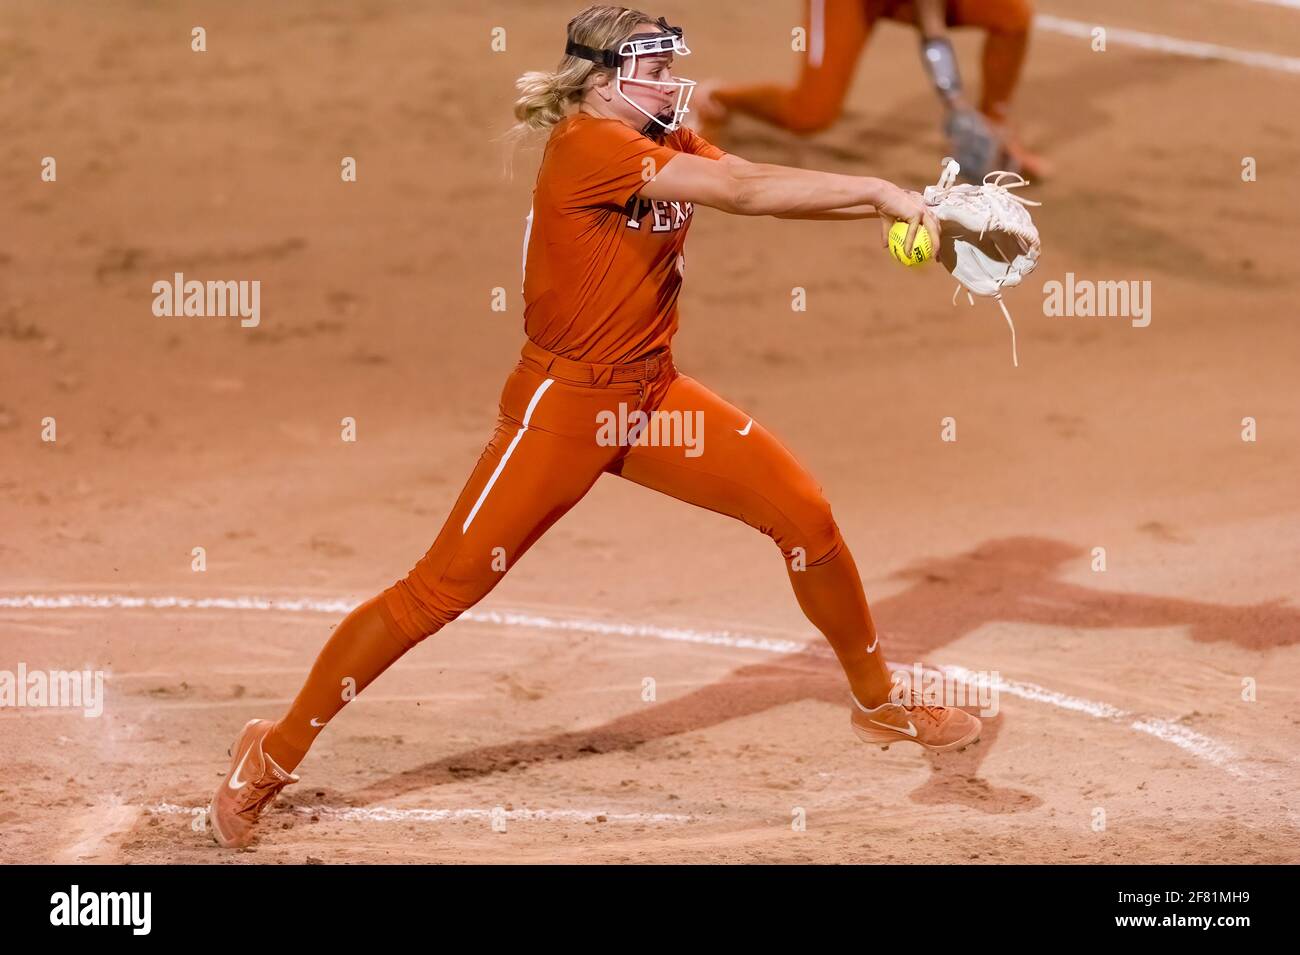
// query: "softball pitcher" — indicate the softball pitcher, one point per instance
point(596, 391)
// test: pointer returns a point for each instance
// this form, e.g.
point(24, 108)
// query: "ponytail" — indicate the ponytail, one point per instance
point(546, 98)
point(543, 99)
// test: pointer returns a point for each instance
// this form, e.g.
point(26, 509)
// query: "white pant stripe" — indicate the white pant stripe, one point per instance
point(817, 41)
point(537, 395)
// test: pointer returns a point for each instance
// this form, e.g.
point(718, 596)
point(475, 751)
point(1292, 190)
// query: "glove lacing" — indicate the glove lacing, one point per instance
point(1001, 181)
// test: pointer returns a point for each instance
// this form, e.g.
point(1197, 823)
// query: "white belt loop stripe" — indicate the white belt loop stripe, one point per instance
point(537, 395)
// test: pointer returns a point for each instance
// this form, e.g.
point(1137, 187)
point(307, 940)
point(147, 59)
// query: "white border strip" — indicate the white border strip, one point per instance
point(1194, 744)
point(1167, 44)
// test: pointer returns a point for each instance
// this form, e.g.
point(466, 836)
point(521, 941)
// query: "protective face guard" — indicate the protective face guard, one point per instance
point(669, 40)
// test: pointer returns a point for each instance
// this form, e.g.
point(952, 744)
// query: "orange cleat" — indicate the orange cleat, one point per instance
point(252, 784)
point(937, 728)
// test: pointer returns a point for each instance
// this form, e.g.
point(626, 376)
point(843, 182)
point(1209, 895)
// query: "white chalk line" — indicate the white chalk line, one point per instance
point(337, 607)
point(1195, 744)
point(390, 814)
point(1160, 43)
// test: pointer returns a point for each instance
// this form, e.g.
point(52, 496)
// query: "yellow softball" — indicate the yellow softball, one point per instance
point(922, 250)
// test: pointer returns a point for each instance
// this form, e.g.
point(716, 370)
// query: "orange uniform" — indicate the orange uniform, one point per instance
point(597, 392)
point(603, 267)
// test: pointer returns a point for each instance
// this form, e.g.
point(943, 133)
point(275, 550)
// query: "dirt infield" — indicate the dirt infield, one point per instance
point(520, 734)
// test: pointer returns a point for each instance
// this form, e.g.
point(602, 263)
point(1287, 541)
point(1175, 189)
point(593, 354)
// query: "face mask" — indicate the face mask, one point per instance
point(666, 40)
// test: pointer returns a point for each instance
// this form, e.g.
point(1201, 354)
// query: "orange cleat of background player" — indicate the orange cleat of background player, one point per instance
point(604, 265)
point(838, 31)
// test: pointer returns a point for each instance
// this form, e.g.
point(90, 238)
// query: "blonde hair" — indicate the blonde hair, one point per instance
point(545, 98)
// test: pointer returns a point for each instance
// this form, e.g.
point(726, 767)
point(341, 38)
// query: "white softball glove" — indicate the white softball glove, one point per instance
point(989, 240)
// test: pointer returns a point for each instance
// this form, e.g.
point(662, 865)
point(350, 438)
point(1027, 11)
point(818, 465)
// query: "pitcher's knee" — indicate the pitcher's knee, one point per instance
point(442, 585)
point(417, 610)
point(809, 535)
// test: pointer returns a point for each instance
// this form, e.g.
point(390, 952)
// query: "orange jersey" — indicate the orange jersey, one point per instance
point(602, 266)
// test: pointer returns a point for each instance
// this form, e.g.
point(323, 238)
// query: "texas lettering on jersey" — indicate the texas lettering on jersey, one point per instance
point(665, 215)
point(603, 265)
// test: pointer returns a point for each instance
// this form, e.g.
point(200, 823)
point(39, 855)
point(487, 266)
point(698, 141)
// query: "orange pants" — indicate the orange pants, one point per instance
point(562, 425)
point(838, 32)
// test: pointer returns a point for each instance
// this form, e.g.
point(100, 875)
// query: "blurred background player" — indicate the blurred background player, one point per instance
point(838, 30)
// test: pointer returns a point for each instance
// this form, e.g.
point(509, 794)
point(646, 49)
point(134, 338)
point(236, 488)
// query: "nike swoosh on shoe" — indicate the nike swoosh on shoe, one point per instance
point(910, 731)
point(235, 781)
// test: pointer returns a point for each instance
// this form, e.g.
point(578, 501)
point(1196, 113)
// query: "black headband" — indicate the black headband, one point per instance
point(611, 58)
point(602, 57)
